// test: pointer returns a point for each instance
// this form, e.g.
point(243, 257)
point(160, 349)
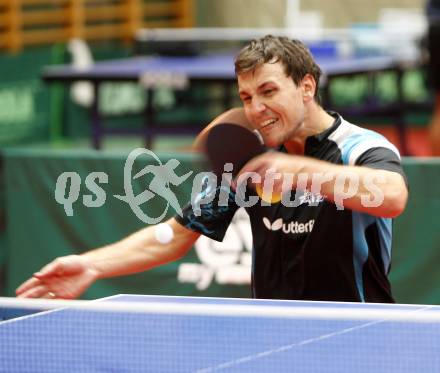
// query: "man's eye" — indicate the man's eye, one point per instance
point(268, 91)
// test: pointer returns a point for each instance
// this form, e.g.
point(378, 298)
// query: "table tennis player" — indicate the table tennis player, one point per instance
point(316, 250)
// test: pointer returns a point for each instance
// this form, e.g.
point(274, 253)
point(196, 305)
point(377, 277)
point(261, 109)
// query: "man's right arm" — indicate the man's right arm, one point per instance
point(68, 277)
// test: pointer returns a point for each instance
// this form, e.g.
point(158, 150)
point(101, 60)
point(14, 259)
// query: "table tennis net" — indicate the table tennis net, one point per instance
point(170, 336)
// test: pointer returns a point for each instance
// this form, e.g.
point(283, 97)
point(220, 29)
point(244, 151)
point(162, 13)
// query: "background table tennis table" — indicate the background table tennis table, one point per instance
point(60, 341)
point(182, 71)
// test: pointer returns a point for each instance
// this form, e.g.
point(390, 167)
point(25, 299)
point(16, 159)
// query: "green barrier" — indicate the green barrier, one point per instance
point(416, 251)
point(39, 229)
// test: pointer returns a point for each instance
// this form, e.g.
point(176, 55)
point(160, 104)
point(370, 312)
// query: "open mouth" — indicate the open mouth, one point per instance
point(268, 124)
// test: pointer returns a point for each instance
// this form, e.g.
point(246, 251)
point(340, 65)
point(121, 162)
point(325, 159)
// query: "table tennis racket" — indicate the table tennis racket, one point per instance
point(231, 143)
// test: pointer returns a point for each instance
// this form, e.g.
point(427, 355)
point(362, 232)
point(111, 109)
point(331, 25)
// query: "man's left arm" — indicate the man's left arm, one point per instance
point(371, 188)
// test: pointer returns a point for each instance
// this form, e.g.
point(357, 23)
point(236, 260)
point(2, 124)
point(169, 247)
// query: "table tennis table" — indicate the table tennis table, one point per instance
point(67, 341)
point(179, 72)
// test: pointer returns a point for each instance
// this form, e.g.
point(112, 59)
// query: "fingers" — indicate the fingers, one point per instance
point(58, 267)
point(272, 176)
point(64, 278)
point(52, 269)
point(258, 168)
point(49, 295)
point(258, 165)
point(29, 284)
point(35, 287)
point(37, 291)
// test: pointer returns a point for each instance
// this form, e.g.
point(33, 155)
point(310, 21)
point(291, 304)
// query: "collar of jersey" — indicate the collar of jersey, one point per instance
point(325, 134)
point(313, 142)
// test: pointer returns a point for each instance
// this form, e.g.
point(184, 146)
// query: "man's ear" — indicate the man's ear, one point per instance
point(308, 85)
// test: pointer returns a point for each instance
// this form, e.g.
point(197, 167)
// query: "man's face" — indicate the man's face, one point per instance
point(273, 104)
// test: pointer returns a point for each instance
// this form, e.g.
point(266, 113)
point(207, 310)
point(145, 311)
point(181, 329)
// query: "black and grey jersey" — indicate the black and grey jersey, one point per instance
point(313, 249)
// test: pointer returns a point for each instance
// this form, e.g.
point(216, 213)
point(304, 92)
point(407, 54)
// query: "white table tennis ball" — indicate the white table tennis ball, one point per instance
point(163, 233)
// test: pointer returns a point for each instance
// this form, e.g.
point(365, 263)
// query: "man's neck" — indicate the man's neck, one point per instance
point(316, 121)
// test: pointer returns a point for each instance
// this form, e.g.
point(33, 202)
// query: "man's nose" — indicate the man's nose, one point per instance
point(258, 106)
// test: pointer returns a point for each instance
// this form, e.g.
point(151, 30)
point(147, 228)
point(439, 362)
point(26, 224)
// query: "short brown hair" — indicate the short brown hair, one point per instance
point(294, 55)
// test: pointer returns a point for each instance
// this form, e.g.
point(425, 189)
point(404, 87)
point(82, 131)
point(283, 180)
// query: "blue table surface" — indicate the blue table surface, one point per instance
point(73, 341)
point(216, 66)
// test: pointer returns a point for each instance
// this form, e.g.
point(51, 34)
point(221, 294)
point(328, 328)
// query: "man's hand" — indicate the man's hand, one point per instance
point(274, 168)
point(65, 278)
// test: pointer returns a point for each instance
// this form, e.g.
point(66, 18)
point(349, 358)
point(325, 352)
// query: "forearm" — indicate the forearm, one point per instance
point(140, 251)
point(376, 192)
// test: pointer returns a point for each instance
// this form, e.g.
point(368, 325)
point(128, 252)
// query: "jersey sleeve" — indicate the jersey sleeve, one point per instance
point(370, 149)
point(381, 159)
point(212, 218)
